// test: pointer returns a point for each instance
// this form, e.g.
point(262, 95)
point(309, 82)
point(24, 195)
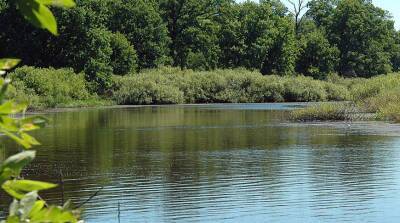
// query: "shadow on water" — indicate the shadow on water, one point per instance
point(230, 163)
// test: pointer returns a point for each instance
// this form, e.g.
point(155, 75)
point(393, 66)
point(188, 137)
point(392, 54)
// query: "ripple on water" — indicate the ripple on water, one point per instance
point(236, 163)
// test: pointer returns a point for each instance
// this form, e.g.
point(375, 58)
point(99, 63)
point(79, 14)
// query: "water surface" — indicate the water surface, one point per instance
point(218, 163)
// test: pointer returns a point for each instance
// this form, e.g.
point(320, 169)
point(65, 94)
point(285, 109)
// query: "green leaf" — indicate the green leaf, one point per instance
point(58, 3)
point(18, 188)
point(13, 165)
point(8, 63)
point(10, 107)
point(4, 86)
point(39, 205)
point(6, 108)
point(38, 14)
point(13, 193)
point(54, 214)
point(17, 139)
point(29, 139)
point(12, 219)
point(8, 124)
point(31, 185)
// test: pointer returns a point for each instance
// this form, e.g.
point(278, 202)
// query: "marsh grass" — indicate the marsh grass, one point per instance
point(327, 112)
point(375, 98)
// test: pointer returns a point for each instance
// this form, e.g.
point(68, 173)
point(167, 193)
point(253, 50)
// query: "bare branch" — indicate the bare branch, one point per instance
point(298, 8)
point(90, 198)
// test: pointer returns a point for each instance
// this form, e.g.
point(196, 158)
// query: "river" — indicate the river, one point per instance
point(217, 163)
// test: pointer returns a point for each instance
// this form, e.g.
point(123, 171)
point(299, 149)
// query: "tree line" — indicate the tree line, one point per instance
point(353, 38)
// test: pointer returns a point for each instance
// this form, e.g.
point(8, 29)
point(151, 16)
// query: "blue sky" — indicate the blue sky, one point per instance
point(393, 6)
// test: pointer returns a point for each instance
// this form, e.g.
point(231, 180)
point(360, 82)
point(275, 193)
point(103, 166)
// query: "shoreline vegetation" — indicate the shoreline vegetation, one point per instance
point(347, 99)
point(115, 52)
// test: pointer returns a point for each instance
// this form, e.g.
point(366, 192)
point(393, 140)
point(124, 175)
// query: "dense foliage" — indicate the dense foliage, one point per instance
point(44, 88)
point(106, 37)
point(49, 88)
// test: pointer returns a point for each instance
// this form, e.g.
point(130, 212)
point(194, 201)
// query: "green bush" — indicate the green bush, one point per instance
point(221, 86)
point(166, 85)
point(143, 91)
point(48, 87)
point(303, 89)
point(366, 88)
point(336, 92)
point(267, 89)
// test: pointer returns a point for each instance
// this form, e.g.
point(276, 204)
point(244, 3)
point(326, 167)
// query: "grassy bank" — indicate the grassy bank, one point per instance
point(58, 88)
point(377, 98)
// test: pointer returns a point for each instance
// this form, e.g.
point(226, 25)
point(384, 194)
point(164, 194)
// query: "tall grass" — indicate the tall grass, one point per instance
point(325, 112)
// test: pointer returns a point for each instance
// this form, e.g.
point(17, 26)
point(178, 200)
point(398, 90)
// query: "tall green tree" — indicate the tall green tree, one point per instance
point(321, 12)
point(258, 36)
point(193, 31)
point(140, 21)
point(317, 56)
point(362, 32)
point(395, 51)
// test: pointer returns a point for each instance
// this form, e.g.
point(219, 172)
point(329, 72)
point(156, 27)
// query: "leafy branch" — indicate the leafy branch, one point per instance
point(27, 205)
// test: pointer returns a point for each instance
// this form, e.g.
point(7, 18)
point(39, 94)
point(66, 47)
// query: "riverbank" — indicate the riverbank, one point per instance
point(48, 88)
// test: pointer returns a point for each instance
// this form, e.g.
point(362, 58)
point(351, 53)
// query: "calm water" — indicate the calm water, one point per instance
point(219, 163)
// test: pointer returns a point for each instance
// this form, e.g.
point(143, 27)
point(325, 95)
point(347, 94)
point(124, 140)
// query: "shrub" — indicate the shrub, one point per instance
point(203, 87)
point(366, 88)
point(237, 86)
point(143, 91)
point(222, 86)
point(336, 92)
point(266, 89)
point(48, 87)
point(303, 89)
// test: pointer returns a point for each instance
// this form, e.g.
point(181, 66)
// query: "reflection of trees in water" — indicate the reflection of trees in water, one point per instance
point(176, 155)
